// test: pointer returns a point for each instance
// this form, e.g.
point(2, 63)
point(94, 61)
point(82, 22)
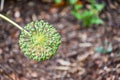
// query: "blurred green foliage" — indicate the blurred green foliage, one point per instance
point(58, 1)
point(89, 15)
point(73, 1)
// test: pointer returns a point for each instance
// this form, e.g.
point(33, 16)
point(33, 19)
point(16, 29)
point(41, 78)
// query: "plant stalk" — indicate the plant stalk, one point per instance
point(2, 5)
point(12, 22)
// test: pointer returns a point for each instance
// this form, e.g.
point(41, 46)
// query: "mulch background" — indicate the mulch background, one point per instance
point(76, 58)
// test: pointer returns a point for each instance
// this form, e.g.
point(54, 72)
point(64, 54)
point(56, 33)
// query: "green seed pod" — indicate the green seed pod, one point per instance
point(43, 41)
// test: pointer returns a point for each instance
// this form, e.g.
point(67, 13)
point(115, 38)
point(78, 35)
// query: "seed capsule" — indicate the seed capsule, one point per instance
point(43, 41)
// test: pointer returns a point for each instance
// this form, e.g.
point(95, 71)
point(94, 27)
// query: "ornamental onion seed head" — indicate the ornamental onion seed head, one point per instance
point(43, 41)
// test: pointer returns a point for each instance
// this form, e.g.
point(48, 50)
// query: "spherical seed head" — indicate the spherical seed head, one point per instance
point(43, 41)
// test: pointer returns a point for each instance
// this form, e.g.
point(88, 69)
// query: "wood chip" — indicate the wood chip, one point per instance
point(64, 68)
point(63, 62)
point(85, 44)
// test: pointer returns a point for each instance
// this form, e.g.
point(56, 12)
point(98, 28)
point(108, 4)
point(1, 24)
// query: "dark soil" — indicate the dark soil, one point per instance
point(76, 58)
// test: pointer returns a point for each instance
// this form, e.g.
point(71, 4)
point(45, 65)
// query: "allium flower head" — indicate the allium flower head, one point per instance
point(43, 41)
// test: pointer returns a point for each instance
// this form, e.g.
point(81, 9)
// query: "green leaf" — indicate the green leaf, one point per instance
point(93, 1)
point(77, 7)
point(96, 20)
point(76, 14)
point(72, 1)
point(58, 1)
point(99, 7)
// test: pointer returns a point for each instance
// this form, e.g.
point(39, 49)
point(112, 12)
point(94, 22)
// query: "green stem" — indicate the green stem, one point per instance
point(12, 22)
